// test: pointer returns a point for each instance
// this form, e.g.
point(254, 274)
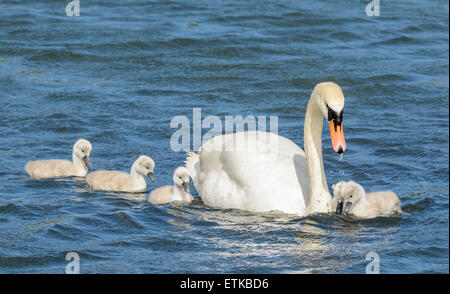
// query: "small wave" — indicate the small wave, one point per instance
point(402, 40)
point(56, 55)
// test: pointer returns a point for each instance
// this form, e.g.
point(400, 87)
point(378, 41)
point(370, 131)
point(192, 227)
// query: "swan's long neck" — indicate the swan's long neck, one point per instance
point(134, 173)
point(363, 200)
point(319, 196)
point(78, 163)
point(179, 191)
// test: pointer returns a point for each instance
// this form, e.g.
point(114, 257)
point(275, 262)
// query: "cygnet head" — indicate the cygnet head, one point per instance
point(330, 99)
point(181, 178)
point(347, 195)
point(82, 149)
point(144, 165)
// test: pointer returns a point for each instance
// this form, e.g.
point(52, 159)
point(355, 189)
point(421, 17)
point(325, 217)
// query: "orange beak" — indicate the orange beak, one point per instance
point(337, 137)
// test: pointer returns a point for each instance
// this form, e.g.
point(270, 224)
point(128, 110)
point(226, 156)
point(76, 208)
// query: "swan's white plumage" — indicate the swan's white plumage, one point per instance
point(266, 172)
point(193, 165)
point(121, 181)
point(56, 168)
point(277, 166)
point(177, 192)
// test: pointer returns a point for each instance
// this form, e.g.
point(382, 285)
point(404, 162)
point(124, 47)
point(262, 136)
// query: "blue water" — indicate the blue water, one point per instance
point(117, 74)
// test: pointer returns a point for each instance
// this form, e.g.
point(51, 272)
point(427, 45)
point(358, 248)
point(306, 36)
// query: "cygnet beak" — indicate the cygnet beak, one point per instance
point(151, 177)
point(339, 207)
point(347, 207)
point(186, 186)
point(87, 162)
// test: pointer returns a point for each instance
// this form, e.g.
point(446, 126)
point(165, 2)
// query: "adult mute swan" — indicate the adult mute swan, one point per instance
point(259, 171)
point(56, 168)
point(111, 180)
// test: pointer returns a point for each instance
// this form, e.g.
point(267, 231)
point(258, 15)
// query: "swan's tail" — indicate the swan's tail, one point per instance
point(192, 163)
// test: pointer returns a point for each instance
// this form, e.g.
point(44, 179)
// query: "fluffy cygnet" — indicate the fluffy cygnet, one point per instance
point(56, 168)
point(178, 192)
point(121, 181)
point(350, 198)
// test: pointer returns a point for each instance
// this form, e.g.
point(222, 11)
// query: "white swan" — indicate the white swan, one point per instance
point(134, 181)
point(258, 171)
point(178, 192)
point(56, 168)
point(350, 198)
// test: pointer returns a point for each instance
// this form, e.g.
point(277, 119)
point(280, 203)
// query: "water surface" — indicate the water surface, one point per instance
point(117, 75)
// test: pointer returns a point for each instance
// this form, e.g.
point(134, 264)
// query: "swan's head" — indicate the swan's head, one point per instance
point(347, 194)
point(181, 178)
point(330, 99)
point(144, 165)
point(82, 149)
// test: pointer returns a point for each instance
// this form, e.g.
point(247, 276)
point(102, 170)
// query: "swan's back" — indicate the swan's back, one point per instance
point(255, 171)
point(51, 168)
point(162, 195)
point(386, 202)
point(113, 181)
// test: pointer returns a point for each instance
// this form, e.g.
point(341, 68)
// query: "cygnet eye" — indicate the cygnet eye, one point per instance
point(351, 196)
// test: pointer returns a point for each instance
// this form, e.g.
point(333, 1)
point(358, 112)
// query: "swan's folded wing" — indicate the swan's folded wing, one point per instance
point(260, 176)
